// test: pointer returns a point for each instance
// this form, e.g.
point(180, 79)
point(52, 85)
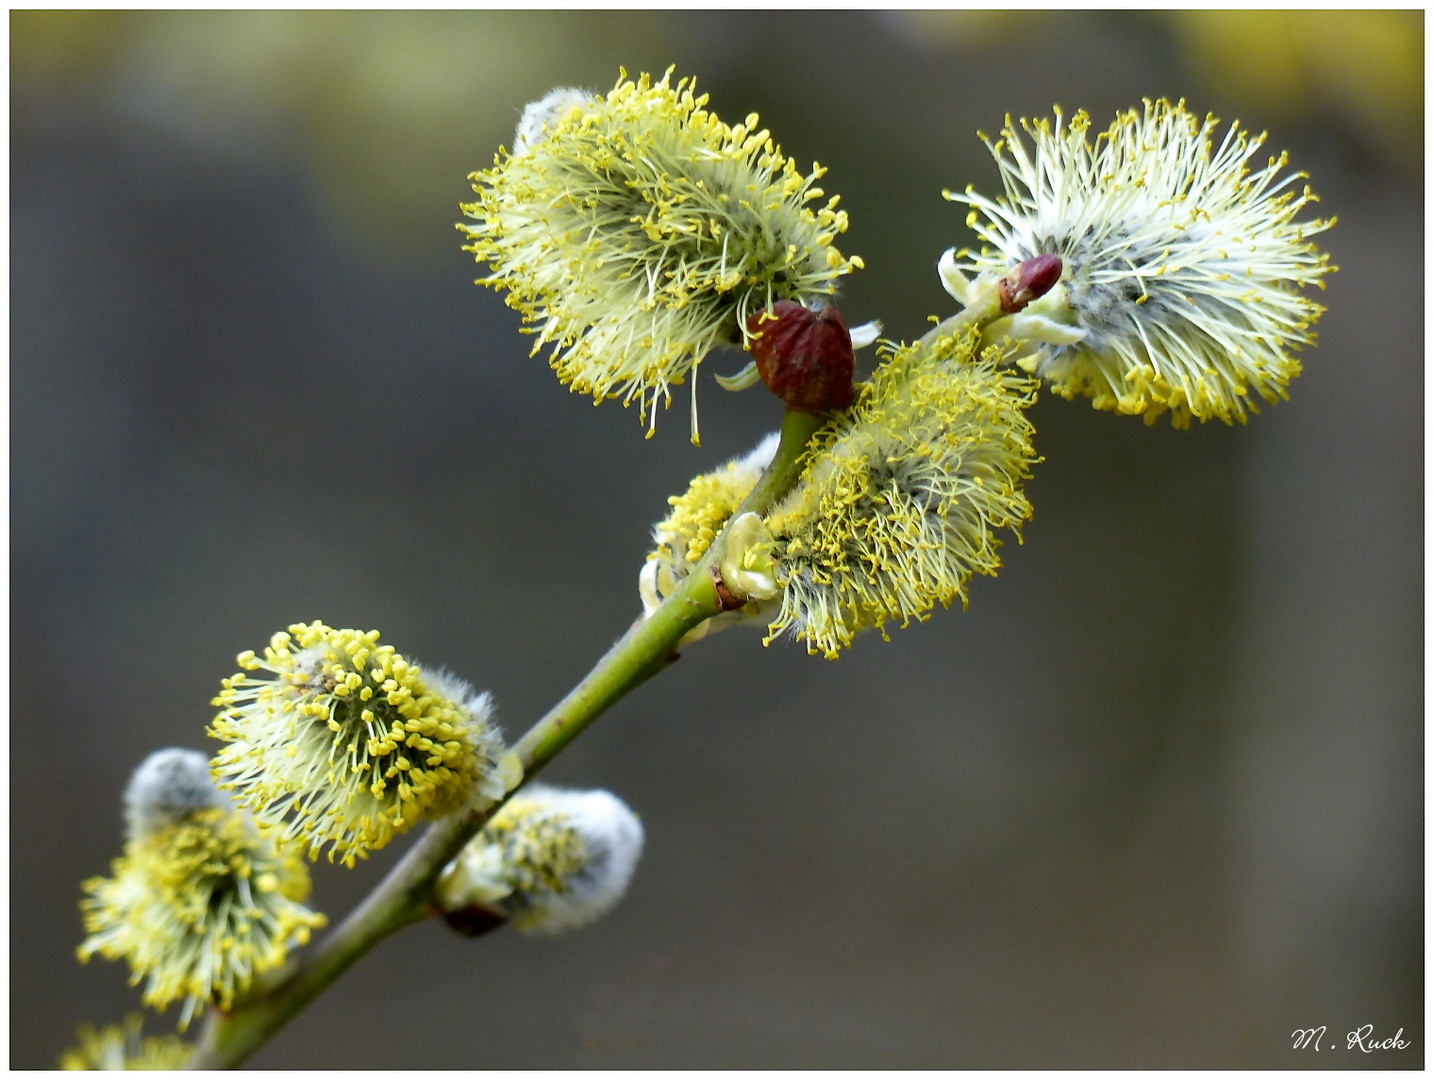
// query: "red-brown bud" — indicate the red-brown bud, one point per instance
point(803, 356)
point(1029, 281)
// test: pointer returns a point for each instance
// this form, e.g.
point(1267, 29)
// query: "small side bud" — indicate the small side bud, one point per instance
point(1029, 281)
point(803, 356)
point(167, 786)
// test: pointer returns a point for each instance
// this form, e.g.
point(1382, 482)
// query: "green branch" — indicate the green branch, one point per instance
point(404, 896)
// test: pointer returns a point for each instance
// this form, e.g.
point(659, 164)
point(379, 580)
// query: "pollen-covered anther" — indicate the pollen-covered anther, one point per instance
point(1027, 281)
point(804, 356)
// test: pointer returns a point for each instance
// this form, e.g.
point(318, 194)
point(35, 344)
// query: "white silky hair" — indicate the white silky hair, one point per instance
point(460, 691)
point(761, 455)
point(547, 110)
point(167, 785)
point(474, 877)
point(487, 736)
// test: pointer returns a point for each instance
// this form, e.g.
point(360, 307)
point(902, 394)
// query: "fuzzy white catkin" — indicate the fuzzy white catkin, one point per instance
point(167, 785)
point(551, 860)
point(613, 838)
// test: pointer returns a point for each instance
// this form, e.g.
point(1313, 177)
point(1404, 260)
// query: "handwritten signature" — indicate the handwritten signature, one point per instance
point(1363, 1039)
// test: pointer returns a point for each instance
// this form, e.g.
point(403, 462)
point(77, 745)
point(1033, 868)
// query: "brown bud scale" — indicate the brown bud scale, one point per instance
point(728, 600)
point(475, 920)
point(803, 356)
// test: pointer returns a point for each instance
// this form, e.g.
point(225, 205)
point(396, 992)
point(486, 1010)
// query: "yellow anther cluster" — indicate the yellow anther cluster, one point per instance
point(697, 516)
point(699, 513)
point(199, 908)
point(350, 744)
point(639, 230)
point(541, 852)
point(1182, 261)
point(903, 493)
point(119, 1046)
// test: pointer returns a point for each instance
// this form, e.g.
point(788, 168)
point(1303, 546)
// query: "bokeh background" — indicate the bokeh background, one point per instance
point(1154, 800)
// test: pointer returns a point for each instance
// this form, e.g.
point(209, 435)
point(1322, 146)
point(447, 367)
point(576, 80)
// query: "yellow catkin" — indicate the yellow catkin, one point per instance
point(349, 744)
point(541, 851)
point(120, 1046)
point(903, 494)
point(635, 231)
point(198, 909)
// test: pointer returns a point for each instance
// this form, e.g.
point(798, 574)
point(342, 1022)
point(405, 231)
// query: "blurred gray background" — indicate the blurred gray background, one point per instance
point(1155, 800)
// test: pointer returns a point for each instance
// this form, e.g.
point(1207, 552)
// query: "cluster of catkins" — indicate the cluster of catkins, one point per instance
point(639, 232)
point(1149, 269)
point(331, 739)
